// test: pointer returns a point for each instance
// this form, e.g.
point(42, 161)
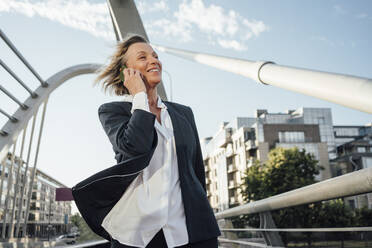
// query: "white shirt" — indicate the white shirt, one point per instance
point(153, 200)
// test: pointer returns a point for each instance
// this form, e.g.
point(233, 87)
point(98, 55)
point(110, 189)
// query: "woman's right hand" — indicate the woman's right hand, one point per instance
point(133, 81)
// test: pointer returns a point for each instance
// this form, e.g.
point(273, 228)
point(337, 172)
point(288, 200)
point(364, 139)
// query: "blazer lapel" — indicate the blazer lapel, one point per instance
point(177, 123)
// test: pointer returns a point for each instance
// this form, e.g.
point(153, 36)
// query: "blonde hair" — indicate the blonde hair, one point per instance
point(110, 74)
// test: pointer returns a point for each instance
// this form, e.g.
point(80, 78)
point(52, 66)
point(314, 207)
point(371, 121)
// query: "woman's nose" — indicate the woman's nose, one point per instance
point(154, 60)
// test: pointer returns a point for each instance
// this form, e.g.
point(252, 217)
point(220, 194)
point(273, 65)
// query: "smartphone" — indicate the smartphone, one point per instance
point(121, 76)
point(122, 73)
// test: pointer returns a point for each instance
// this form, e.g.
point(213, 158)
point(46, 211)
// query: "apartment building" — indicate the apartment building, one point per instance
point(237, 144)
point(344, 134)
point(45, 215)
point(354, 152)
point(45, 210)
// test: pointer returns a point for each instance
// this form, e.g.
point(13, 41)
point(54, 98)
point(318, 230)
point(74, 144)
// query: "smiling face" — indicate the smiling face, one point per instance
point(142, 57)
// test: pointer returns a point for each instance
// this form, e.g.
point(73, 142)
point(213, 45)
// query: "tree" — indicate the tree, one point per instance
point(285, 170)
point(364, 217)
point(86, 233)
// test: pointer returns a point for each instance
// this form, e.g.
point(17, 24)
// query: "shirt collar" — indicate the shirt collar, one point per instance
point(161, 104)
point(129, 98)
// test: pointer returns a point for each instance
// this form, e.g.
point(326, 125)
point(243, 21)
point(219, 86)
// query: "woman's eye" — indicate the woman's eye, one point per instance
point(142, 57)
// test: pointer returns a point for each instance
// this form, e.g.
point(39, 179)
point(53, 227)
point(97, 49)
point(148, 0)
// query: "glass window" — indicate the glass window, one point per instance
point(352, 204)
point(361, 149)
point(368, 162)
point(291, 137)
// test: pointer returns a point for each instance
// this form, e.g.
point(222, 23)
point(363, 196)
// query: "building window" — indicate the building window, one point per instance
point(368, 163)
point(229, 160)
point(321, 120)
point(291, 137)
point(352, 204)
point(361, 149)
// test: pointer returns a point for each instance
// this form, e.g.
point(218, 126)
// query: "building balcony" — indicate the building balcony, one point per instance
point(250, 144)
point(233, 184)
point(235, 199)
point(206, 168)
point(250, 162)
point(231, 168)
point(208, 181)
point(223, 138)
point(229, 150)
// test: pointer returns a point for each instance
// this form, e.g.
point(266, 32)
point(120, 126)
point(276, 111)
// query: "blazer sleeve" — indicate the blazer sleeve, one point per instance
point(129, 134)
point(198, 162)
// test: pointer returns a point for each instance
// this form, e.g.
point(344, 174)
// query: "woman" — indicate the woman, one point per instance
point(162, 202)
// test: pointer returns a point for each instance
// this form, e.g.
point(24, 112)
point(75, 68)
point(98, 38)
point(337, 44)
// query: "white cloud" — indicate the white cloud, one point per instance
point(257, 27)
point(362, 16)
point(214, 22)
point(148, 7)
point(83, 15)
point(339, 9)
point(193, 17)
point(166, 27)
point(211, 19)
point(233, 44)
point(323, 39)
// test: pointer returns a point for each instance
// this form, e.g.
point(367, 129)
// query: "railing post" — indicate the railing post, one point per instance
point(272, 239)
point(227, 223)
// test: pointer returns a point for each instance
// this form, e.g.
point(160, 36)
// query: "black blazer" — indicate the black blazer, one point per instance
point(134, 139)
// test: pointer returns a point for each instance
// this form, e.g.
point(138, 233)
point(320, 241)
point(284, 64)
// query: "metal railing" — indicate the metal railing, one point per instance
point(355, 183)
point(17, 123)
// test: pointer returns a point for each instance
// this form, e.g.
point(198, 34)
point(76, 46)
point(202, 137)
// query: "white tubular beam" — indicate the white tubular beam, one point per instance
point(126, 20)
point(355, 183)
point(350, 91)
point(23, 116)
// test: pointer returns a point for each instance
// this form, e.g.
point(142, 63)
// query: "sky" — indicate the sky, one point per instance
point(331, 35)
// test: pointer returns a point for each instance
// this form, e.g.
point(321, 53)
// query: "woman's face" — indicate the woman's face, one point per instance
point(142, 57)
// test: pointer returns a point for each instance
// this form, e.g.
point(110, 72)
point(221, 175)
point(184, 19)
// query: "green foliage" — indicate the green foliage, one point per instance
point(86, 233)
point(285, 170)
point(363, 217)
point(335, 213)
